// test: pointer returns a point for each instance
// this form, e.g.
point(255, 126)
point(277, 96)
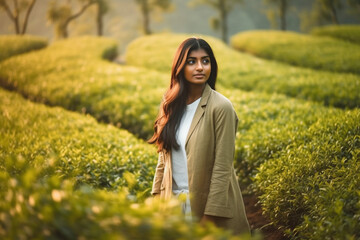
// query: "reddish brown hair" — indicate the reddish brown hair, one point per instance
point(174, 102)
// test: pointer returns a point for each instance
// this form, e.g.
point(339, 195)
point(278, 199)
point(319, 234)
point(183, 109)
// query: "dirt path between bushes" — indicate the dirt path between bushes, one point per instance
point(258, 221)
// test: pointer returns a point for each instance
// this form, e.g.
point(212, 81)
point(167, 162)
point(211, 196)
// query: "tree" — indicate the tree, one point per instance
point(147, 7)
point(355, 7)
point(102, 9)
point(62, 15)
point(322, 12)
point(283, 6)
point(223, 7)
point(14, 14)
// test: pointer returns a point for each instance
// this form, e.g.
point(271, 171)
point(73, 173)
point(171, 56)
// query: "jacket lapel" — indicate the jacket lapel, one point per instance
point(199, 111)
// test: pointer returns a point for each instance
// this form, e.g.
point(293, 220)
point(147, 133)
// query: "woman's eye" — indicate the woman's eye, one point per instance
point(190, 62)
point(206, 61)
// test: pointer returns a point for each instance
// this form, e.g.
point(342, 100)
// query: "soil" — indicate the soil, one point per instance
point(258, 221)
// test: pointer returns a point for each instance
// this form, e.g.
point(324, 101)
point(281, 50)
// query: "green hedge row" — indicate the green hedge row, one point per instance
point(238, 70)
point(268, 125)
point(349, 32)
point(98, 155)
point(11, 45)
point(312, 188)
point(301, 50)
point(73, 74)
point(36, 207)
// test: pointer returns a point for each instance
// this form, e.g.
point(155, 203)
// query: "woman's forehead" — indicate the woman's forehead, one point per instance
point(198, 53)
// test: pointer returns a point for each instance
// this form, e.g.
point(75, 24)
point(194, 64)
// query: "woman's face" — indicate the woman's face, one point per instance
point(197, 68)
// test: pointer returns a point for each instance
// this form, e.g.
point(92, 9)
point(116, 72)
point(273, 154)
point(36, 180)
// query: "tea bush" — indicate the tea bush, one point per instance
point(268, 126)
point(243, 71)
point(98, 155)
point(312, 188)
point(301, 50)
point(37, 207)
point(348, 32)
point(73, 74)
point(11, 45)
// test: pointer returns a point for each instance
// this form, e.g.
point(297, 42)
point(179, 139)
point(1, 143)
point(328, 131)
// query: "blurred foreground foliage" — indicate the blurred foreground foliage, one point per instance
point(11, 45)
point(36, 205)
point(243, 71)
point(303, 50)
point(349, 32)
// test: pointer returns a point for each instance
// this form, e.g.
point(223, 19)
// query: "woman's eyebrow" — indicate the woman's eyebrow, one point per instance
point(201, 57)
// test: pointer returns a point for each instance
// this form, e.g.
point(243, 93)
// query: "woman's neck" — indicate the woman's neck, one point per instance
point(194, 92)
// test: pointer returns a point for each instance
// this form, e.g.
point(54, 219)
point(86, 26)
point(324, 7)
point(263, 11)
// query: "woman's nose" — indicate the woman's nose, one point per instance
point(199, 66)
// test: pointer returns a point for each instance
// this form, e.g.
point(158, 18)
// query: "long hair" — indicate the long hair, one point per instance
point(174, 102)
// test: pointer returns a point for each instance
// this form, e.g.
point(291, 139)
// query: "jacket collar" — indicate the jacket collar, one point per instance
point(199, 111)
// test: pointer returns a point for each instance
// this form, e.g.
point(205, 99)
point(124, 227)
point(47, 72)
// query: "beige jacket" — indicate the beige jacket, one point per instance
point(210, 147)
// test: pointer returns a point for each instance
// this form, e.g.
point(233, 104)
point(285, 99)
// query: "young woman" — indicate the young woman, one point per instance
point(195, 135)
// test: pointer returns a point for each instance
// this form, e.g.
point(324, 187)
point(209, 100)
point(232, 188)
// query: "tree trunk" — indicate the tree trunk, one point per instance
point(333, 14)
point(17, 25)
point(223, 19)
point(283, 8)
point(99, 20)
point(146, 20)
point(16, 17)
point(64, 30)
point(26, 19)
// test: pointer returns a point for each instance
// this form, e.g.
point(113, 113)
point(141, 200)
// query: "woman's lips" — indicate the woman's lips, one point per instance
point(199, 75)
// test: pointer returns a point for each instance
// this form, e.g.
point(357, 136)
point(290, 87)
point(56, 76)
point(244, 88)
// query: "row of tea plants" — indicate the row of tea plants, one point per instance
point(243, 71)
point(303, 50)
point(347, 32)
point(13, 45)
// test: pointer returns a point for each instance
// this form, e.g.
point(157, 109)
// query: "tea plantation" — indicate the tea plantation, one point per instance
point(13, 45)
point(294, 149)
point(75, 75)
point(348, 32)
point(57, 168)
point(315, 52)
point(243, 71)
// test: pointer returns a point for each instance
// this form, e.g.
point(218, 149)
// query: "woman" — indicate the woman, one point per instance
point(195, 135)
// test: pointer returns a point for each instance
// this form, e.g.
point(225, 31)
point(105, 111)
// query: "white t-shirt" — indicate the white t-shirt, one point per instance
point(179, 159)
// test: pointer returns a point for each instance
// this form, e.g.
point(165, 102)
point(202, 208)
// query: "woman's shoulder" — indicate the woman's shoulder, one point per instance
point(219, 101)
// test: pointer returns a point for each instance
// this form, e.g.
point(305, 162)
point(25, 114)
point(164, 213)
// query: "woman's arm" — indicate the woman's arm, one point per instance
point(225, 121)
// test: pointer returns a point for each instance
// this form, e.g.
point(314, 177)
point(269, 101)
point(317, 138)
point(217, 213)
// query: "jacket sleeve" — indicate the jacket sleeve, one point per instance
point(225, 121)
point(159, 173)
